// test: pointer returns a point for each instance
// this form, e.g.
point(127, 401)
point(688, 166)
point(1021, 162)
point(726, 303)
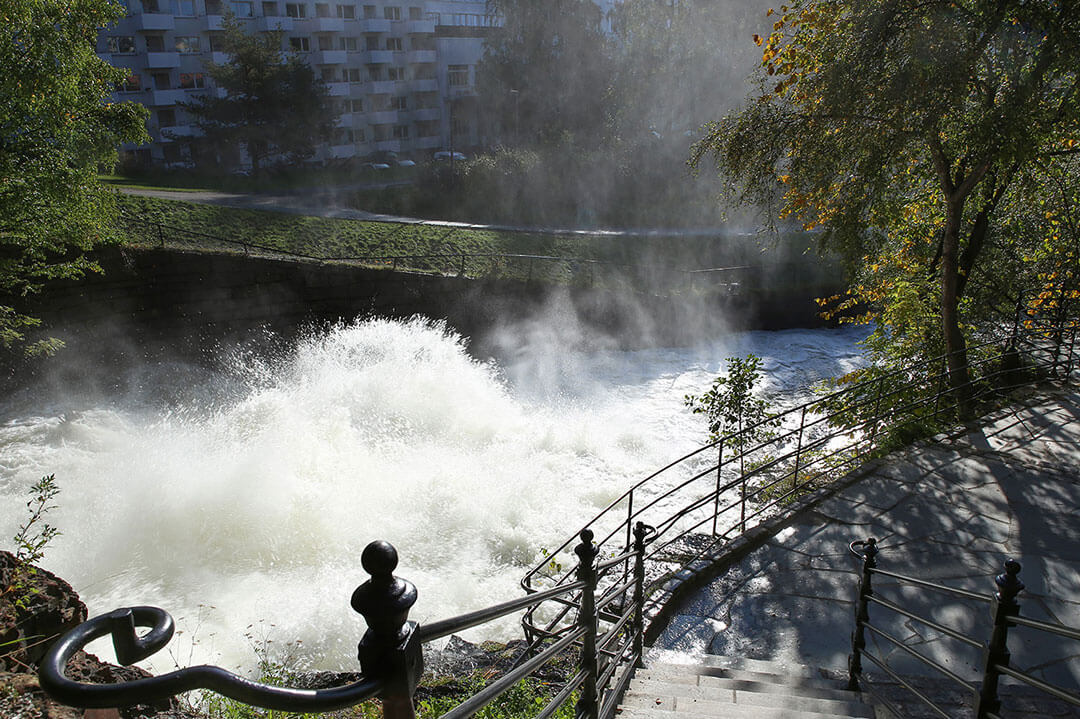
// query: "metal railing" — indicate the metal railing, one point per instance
point(993, 643)
point(670, 519)
point(447, 260)
point(606, 636)
point(711, 496)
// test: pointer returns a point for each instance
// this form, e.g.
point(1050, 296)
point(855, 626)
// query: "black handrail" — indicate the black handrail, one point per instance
point(1004, 614)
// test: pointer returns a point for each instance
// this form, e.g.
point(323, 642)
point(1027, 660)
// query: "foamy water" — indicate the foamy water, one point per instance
point(246, 500)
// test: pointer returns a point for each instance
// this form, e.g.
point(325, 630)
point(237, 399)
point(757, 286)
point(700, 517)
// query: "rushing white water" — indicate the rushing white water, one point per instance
point(248, 497)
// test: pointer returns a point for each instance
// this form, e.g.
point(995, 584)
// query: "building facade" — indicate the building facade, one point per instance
point(403, 72)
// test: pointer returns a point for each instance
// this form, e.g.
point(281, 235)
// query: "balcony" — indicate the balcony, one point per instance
point(377, 57)
point(425, 114)
point(338, 89)
point(271, 24)
point(340, 152)
point(327, 24)
point(155, 60)
point(329, 57)
point(154, 21)
point(212, 23)
point(418, 57)
point(179, 131)
point(219, 58)
point(166, 97)
point(387, 145)
point(456, 91)
point(428, 84)
point(383, 117)
point(428, 143)
point(376, 25)
point(382, 87)
point(418, 27)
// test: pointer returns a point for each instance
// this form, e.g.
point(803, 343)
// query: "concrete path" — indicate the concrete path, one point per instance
point(951, 510)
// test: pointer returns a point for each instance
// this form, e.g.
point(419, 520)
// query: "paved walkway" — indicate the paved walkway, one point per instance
point(950, 510)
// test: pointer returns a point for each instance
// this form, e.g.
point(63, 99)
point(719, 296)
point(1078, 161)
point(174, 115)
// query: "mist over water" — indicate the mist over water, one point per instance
point(251, 491)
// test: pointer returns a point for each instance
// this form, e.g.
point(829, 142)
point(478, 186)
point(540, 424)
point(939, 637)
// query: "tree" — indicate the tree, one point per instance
point(273, 105)
point(57, 127)
point(544, 77)
point(908, 131)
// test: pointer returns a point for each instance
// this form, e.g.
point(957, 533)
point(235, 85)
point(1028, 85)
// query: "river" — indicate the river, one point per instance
point(239, 498)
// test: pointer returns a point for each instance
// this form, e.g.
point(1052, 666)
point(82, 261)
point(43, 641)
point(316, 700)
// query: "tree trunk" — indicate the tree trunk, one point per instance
point(955, 347)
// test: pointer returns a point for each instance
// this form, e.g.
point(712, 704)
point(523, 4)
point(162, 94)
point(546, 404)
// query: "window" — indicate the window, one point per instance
point(399, 102)
point(166, 117)
point(401, 132)
point(459, 126)
point(396, 73)
point(172, 152)
point(243, 8)
point(348, 43)
point(346, 12)
point(300, 44)
point(131, 83)
point(369, 12)
point(121, 44)
point(381, 132)
point(374, 73)
point(295, 9)
point(215, 43)
point(188, 44)
point(359, 135)
point(344, 136)
point(352, 74)
point(393, 43)
point(184, 8)
point(162, 81)
point(328, 75)
point(326, 42)
point(392, 12)
point(354, 105)
point(457, 75)
point(270, 9)
point(415, 13)
point(371, 42)
point(422, 42)
point(322, 9)
point(192, 81)
point(427, 128)
point(213, 7)
point(150, 6)
point(155, 43)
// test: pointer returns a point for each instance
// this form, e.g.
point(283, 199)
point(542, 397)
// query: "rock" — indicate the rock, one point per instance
point(37, 607)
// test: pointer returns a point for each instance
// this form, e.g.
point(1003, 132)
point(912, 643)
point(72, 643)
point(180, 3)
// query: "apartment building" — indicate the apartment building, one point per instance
point(402, 71)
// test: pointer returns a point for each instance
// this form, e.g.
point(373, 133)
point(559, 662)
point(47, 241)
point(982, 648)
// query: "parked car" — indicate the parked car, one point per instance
point(446, 156)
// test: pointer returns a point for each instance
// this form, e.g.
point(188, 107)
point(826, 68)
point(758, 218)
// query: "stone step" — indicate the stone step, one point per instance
point(719, 702)
point(764, 666)
point(730, 711)
point(705, 676)
point(708, 686)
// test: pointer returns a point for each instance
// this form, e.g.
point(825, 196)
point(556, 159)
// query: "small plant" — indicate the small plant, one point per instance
point(32, 539)
point(731, 407)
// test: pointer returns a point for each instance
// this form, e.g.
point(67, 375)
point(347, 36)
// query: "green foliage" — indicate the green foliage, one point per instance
point(731, 407)
point(918, 136)
point(57, 127)
point(274, 106)
point(32, 538)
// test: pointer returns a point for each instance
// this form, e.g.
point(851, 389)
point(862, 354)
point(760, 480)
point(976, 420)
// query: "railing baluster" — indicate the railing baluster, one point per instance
point(798, 450)
point(588, 705)
point(719, 474)
point(996, 652)
point(640, 531)
point(862, 613)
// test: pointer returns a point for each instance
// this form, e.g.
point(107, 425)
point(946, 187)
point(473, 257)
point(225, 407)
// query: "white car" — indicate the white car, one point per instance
point(444, 156)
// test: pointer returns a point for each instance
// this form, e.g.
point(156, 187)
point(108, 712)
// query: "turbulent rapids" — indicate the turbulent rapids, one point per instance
point(245, 496)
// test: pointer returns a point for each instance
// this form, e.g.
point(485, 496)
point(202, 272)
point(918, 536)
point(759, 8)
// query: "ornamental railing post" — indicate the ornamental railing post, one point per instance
point(587, 705)
point(798, 451)
point(996, 651)
point(862, 613)
point(390, 648)
point(640, 532)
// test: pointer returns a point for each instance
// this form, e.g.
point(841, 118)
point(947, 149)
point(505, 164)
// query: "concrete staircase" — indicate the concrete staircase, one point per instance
point(739, 689)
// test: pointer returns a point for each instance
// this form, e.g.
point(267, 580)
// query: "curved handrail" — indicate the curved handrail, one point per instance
point(130, 648)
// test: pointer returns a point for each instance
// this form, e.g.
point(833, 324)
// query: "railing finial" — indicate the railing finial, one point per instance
point(1008, 583)
point(390, 648)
